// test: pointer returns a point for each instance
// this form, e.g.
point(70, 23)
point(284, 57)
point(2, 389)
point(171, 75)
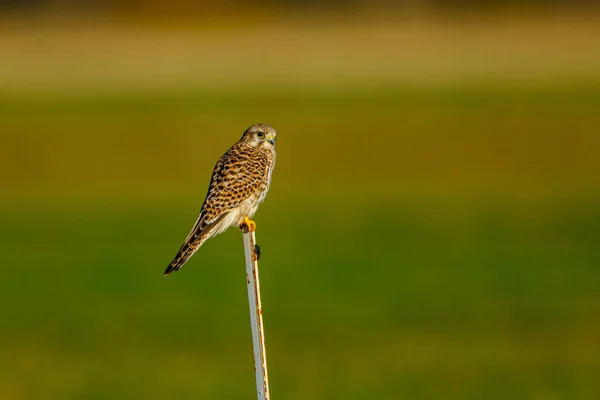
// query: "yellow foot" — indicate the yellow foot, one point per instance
point(247, 225)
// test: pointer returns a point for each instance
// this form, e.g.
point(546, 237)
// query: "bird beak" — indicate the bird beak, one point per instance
point(272, 140)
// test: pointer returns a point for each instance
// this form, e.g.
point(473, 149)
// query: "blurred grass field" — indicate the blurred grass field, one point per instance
point(421, 240)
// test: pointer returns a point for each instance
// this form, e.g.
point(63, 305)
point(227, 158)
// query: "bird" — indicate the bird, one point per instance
point(239, 184)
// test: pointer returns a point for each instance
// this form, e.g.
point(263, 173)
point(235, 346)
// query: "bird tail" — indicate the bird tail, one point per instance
point(200, 233)
point(184, 254)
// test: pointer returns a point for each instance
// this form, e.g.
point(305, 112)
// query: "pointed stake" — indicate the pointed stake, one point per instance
point(256, 322)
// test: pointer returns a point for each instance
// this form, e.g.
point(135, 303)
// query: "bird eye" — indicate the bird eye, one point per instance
point(261, 134)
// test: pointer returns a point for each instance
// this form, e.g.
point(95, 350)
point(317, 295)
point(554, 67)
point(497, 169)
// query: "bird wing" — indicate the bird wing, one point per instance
point(237, 175)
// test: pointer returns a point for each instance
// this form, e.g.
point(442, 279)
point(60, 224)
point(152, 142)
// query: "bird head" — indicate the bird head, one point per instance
point(260, 135)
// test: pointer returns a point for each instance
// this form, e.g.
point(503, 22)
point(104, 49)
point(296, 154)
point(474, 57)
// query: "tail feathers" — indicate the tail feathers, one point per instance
point(200, 233)
point(181, 258)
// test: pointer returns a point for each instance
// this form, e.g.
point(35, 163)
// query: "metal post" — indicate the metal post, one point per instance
point(256, 322)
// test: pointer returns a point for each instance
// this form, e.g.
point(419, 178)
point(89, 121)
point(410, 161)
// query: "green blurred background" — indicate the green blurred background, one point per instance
point(431, 232)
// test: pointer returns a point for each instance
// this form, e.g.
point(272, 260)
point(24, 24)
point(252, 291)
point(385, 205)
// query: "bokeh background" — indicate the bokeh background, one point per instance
point(432, 231)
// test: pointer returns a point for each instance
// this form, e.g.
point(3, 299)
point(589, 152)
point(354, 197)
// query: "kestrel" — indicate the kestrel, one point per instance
point(239, 184)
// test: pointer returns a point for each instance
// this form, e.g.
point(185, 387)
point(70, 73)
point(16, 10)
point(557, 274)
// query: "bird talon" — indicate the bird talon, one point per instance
point(247, 225)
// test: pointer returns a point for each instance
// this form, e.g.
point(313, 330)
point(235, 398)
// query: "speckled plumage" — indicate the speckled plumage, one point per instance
point(239, 184)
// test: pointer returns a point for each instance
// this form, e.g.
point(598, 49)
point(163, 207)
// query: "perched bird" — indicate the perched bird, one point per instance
point(239, 183)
